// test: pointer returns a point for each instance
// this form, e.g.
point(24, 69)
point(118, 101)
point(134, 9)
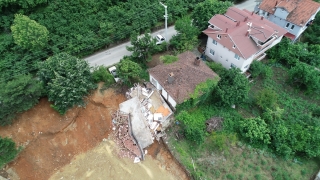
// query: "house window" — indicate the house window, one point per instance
point(219, 36)
point(214, 42)
point(234, 46)
point(236, 56)
point(287, 25)
point(154, 82)
point(233, 66)
point(211, 52)
point(292, 27)
point(246, 67)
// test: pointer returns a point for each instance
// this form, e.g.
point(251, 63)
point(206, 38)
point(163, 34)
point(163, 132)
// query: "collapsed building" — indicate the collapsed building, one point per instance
point(141, 119)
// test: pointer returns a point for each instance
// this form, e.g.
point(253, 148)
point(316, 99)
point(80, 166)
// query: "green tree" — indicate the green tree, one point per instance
point(8, 151)
point(128, 71)
point(233, 88)
point(305, 76)
point(204, 11)
point(257, 68)
point(18, 95)
point(256, 130)
point(67, 80)
point(28, 33)
point(267, 98)
point(143, 47)
point(100, 74)
point(312, 34)
point(187, 36)
point(193, 127)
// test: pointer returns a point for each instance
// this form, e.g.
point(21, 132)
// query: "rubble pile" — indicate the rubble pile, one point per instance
point(121, 134)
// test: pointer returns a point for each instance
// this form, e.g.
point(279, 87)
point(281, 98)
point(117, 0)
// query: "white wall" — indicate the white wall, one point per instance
point(165, 94)
point(155, 82)
point(225, 57)
point(171, 101)
point(281, 13)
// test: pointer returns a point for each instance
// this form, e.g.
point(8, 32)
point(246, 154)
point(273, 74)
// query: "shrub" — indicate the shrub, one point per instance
point(8, 151)
point(100, 74)
point(266, 98)
point(168, 59)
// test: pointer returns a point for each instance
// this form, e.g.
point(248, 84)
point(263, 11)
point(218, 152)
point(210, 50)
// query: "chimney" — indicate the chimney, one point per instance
point(247, 33)
point(197, 61)
point(252, 13)
point(170, 78)
point(245, 19)
point(238, 23)
point(261, 17)
point(276, 3)
point(226, 30)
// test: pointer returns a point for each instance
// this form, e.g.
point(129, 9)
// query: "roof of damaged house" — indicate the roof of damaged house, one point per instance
point(185, 76)
point(299, 11)
point(240, 30)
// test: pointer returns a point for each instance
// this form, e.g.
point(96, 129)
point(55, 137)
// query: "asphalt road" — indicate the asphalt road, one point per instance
point(249, 5)
point(113, 55)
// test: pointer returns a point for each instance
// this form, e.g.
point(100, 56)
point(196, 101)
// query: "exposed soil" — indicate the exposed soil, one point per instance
point(52, 141)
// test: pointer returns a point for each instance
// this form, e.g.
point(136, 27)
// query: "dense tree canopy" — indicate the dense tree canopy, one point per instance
point(8, 150)
point(204, 11)
point(128, 71)
point(256, 130)
point(28, 33)
point(187, 35)
point(305, 76)
point(233, 87)
point(66, 79)
point(18, 95)
point(142, 47)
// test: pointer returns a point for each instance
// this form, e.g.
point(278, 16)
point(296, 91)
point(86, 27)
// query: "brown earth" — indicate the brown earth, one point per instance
point(52, 141)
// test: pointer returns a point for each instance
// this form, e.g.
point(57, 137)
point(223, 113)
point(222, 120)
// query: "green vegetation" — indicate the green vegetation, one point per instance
point(187, 35)
point(28, 33)
point(204, 10)
point(168, 59)
point(66, 80)
point(128, 71)
point(78, 28)
point(8, 151)
point(233, 88)
point(18, 95)
point(101, 74)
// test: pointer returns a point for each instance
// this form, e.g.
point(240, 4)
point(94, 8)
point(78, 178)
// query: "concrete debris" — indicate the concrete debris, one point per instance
point(141, 119)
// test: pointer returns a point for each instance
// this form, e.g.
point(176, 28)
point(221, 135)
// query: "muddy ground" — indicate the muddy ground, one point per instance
point(52, 143)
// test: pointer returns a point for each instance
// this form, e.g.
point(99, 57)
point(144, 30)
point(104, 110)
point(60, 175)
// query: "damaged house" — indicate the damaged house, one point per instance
point(178, 80)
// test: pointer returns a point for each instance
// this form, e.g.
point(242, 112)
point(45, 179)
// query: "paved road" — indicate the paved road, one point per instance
point(113, 55)
point(248, 4)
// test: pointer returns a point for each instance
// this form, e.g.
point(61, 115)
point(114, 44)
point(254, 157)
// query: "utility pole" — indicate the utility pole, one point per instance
point(166, 18)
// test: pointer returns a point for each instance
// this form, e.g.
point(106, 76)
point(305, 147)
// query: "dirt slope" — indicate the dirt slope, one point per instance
point(52, 141)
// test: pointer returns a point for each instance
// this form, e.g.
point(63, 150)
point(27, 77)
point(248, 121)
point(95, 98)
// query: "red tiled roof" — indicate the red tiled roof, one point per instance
point(300, 11)
point(186, 76)
point(233, 28)
point(290, 36)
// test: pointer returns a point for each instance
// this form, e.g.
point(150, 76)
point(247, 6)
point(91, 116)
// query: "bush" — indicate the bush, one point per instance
point(266, 98)
point(255, 130)
point(101, 74)
point(168, 59)
point(216, 67)
point(257, 68)
point(8, 151)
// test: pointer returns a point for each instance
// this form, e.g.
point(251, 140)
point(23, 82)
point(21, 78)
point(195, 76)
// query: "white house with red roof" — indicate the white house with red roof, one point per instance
point(238, 37)
point(293, 15)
